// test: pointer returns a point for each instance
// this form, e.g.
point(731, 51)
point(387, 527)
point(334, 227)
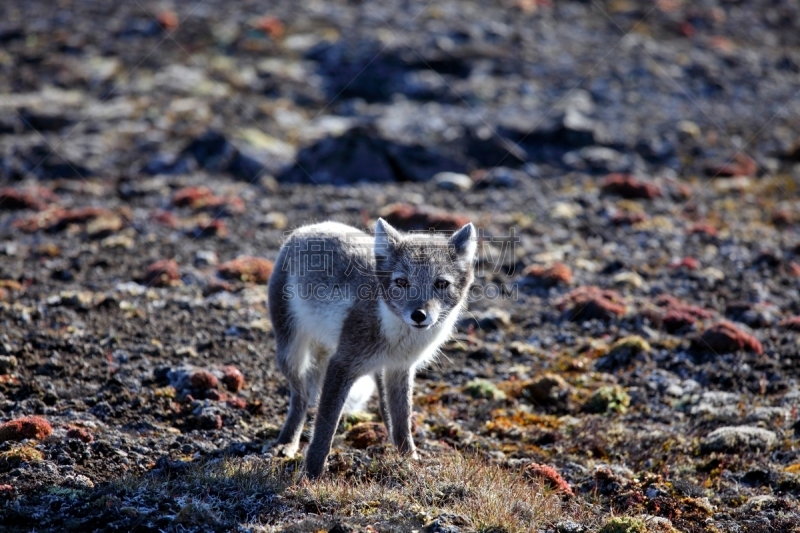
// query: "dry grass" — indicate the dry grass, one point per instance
point(476, 494)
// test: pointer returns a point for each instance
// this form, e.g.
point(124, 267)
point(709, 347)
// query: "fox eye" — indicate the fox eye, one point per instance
point(441, 284)
point(401, 282)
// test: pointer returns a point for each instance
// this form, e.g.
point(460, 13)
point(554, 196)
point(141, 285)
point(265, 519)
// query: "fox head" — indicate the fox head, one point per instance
point(424, 277)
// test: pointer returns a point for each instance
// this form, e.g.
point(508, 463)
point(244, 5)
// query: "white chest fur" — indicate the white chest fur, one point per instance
point(407, 347)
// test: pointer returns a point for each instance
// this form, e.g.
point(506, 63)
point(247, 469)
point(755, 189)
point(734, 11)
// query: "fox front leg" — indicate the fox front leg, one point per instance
point(399, 385)
point(339, 379)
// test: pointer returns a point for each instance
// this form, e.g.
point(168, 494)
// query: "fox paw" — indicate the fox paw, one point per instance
point(281, 450)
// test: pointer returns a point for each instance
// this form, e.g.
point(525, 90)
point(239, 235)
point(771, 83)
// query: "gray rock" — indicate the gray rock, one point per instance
point(453, 181)
point(568, 526)
point(204, 258)
point(738, 438)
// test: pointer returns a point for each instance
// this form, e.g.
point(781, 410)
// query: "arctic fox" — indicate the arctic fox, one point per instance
point(348, 308)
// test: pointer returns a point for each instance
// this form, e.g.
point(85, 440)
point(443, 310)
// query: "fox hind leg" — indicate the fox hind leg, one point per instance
point(294, 360)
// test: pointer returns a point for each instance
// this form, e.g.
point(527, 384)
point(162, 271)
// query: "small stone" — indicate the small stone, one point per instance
point(453, 181)
point(209, 420)
point(274, 220)
point(568, 526)
point(204, 258)
point(628, 279)
point(548, 391)
point(741, 165)
point(104, 226)
point(737, 439)
point(7, 364)
point(28, 427)
point(565, 211)
point(488, 320)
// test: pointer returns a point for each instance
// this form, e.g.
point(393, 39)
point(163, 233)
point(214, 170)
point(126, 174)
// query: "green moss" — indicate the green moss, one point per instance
point(634, 344)
point(482, 388)
point(608, 399)
point(623, 524)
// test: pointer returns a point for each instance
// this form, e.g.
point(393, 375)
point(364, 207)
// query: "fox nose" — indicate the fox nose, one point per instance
point(419, 316)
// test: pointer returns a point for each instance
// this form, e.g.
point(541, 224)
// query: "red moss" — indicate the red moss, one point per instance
point(679, 314)
point(7, 491)
point(11, 285)
point(675, 320)
point(689, 263)
point(212, 228)
point(408, 217)
point(791, 323)
point(163, 273)
point(366, 434)
point(627, 186)
point(232, 378)
point(35, 198)
point(203, 199)
point(622, 218)
point(82, 434)
point(742, 165)
point(57, 218)
point(272, 26)
point(237, 403)
point(27, 427)
point(190, 196)
point(165, 218)
point(247, 268)
point(168, 20)
point(550, 476)
point(724, 337)
point(203, 380)
point(702, 228)
point(555, 274)
point(589, 302)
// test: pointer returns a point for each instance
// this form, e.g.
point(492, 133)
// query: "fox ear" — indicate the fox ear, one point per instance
point(465, 243)
point(386, 238)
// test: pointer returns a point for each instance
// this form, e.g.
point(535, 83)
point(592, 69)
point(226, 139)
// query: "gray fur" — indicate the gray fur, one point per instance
point(341, 304)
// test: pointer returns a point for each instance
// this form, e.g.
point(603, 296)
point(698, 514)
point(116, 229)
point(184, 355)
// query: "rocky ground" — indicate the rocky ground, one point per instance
point(633, 167)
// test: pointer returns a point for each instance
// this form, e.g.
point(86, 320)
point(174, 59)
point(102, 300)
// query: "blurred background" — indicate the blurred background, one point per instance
point(346, 91)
